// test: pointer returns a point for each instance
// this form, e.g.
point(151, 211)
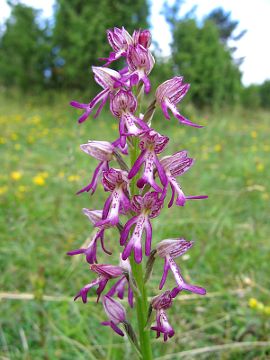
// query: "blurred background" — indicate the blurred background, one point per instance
point(46, 52)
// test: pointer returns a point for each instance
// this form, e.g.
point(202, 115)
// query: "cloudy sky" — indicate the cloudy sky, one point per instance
point(252, 16)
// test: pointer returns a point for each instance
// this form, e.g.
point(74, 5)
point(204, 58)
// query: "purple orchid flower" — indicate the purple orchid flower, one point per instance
point(169, 94)
point(105, 272)
point(119, 39)
point(102, 151)
point(176, 165)
point(115, 181)
point(170, 249)
point(140, 63)
point(151, 144)
point(107, 78)
point(116, 314)
point(160, 303)
point(142, 37)
point(147, 207)
point(119, 287)
point(123, 106)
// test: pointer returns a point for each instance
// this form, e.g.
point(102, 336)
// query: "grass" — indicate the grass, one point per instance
point(43, 167)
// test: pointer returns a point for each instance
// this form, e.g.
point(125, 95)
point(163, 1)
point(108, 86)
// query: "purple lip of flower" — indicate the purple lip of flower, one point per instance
point(148, 207)
point(123, 105)
point(140, 63)
point(115, 312)
point(170, 93)
point(115, 181)
point(142, 37)
point(91, 251)
point(119, 39)
point(176, 165)
point(151, 144)
point(162, 325)
point(173, 247)
point(181, 284)
point(105, 272)
point(110, 80)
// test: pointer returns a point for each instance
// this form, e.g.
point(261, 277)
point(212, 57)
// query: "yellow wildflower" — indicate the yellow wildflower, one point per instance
point(265, 196)
point(253, 134)
point(3, 190)
point(14, 136)
point(73, 178)
point(252, 303)
point(260, 167)
point(218, 147)
point(16, 175)
point(39, 180)
point(2, 140)
point(267, 310)
point(17, 146)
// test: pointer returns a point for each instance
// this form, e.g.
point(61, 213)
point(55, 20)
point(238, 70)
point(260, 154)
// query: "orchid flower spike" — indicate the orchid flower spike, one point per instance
point(169, 94)
point(142, 37)
point(115, 312)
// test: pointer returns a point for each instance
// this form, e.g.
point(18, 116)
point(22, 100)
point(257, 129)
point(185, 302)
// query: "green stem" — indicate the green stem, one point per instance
point(138, 274)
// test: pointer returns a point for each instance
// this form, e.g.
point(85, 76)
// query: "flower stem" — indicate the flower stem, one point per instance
point(138, 274)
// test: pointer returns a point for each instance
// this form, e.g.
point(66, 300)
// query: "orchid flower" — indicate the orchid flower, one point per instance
point(170, 249)
point(176, 165)
point(160, 303)
point(142, 37)
point(107, 78)
point(147, 207)
point(140, 63)
point(123, 106)
point(115, 181)
point(151, 144)
point(102, 151)
point(106, 273)
point(169, 94)
point(119, 39)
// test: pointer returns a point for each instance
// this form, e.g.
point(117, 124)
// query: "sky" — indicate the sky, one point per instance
point(252, 16)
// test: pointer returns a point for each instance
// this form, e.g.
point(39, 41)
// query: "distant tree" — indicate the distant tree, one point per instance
point(80, 34)
point(264, 92)
point(24, 49)
point(251, 97)
point(204, 61)
point(225, 25)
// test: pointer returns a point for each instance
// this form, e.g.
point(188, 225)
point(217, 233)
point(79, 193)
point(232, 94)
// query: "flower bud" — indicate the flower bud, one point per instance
point(115, 311)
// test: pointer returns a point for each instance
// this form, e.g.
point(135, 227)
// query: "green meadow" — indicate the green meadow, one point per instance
point(42, 167)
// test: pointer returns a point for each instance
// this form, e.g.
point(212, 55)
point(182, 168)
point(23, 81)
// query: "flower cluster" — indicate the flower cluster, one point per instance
point(137, 192)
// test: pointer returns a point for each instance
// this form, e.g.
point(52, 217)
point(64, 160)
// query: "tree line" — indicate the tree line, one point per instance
point(38, 54)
